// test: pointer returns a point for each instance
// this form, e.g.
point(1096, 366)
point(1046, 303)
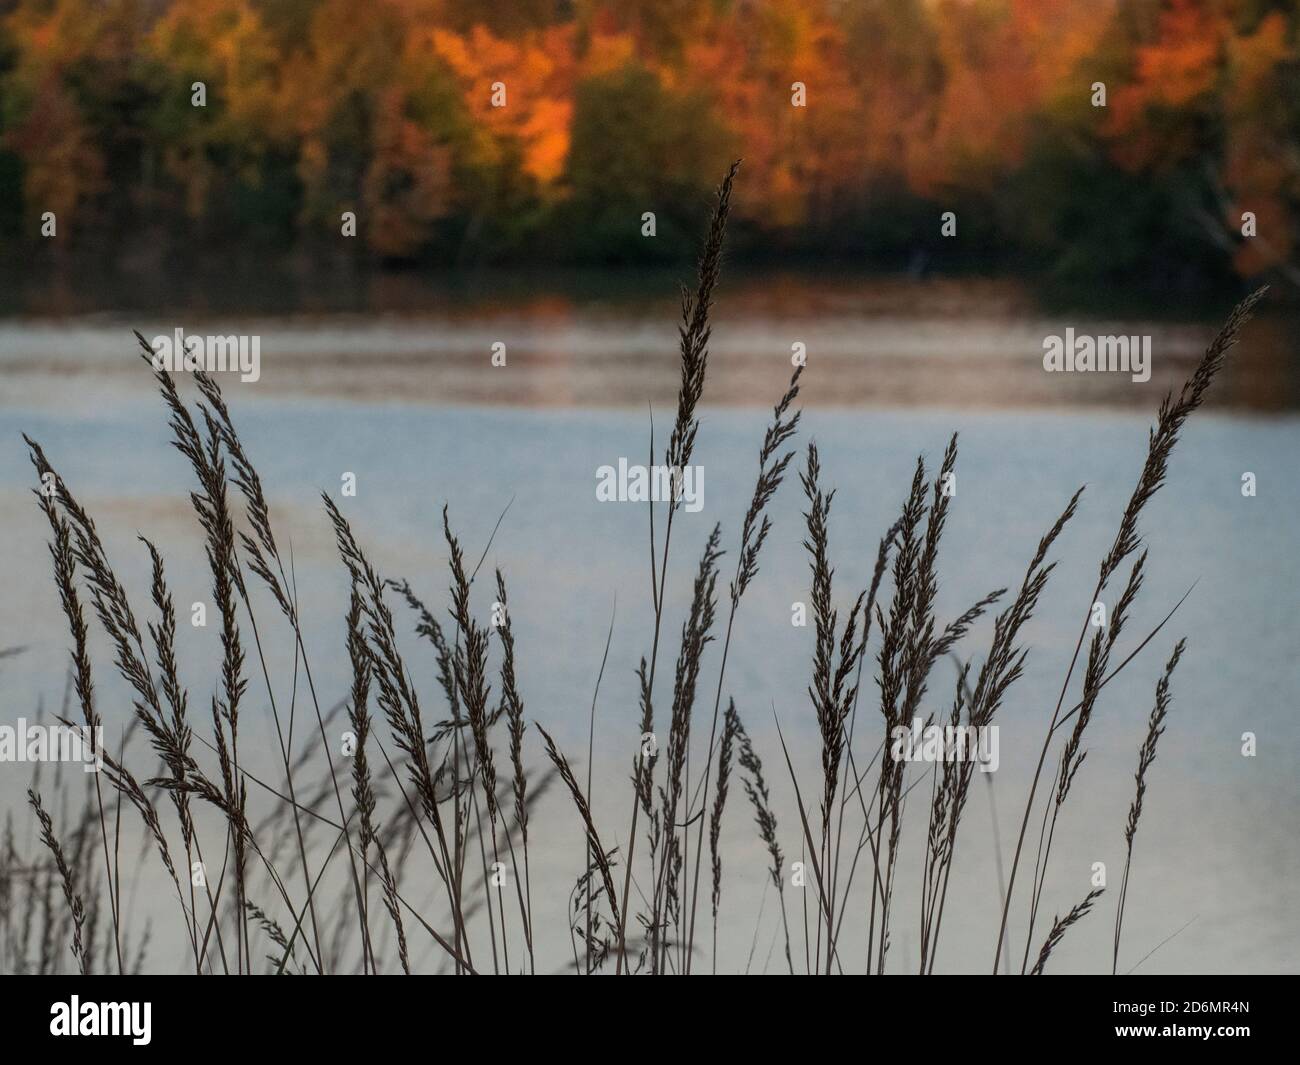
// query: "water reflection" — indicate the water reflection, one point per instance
point(573, 341)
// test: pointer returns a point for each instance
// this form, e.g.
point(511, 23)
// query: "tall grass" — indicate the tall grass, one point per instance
point(429, 811)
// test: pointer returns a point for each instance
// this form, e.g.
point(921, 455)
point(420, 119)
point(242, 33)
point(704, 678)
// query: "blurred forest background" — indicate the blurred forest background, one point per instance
point(616, 107)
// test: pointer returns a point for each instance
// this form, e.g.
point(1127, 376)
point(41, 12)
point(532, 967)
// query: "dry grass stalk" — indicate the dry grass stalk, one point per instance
point(1061, 926)
point(1161, 441)
point(694, 334)
point(75, 906)
point(1146, 756)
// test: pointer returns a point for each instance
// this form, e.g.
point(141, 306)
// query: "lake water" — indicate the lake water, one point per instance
point(412, 407)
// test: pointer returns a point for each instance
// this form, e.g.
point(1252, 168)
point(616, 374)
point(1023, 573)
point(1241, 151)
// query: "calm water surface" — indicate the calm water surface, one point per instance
point(412, 408)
